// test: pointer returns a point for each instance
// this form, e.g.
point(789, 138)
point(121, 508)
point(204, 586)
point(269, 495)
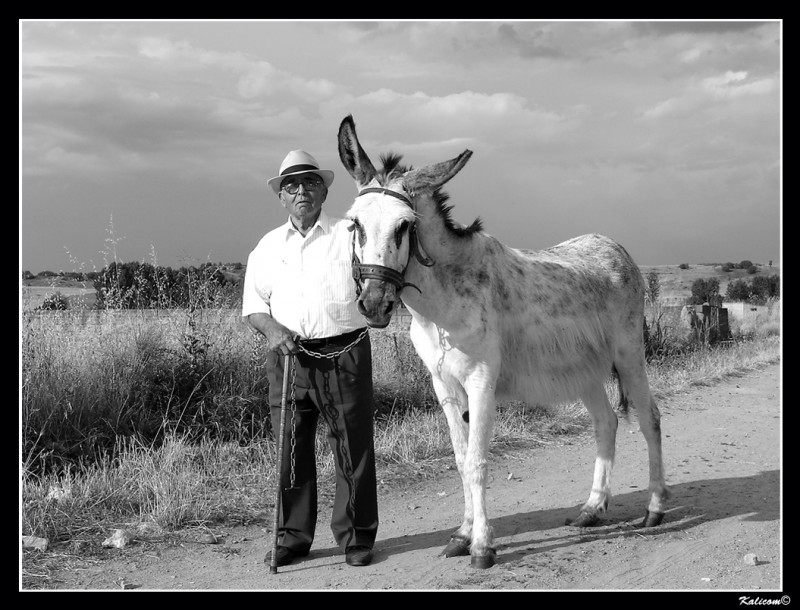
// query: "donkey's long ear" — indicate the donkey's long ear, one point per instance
point(434, 176)
point(353, 157)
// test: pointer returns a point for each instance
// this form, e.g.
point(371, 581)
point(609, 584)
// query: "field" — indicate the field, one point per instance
point(170, 408)
point(675, 284)
point(34, 292)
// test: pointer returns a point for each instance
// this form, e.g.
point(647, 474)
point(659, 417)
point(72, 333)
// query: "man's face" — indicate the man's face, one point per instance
point(302, 195)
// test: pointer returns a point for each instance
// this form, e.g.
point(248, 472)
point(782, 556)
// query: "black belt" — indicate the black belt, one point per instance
point(337, 341)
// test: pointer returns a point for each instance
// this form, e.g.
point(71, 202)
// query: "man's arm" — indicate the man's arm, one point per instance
point(279, 338)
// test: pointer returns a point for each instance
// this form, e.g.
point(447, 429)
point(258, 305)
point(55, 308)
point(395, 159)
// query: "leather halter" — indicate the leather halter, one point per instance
point(362, 272)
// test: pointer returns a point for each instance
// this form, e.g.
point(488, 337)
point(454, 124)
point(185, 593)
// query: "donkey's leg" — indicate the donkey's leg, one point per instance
point(604, 421)
point(454, 403)
point(481, 425)
point(633, 378)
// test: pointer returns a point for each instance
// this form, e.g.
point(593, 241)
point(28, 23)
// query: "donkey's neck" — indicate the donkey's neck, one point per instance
point(457, 263)
point(443, 242)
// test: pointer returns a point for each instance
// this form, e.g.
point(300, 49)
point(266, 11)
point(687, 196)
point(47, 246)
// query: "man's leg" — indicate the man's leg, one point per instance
point(344, 393)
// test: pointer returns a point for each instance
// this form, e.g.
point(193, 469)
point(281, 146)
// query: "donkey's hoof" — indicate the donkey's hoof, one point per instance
point(482, 562)
point(457, 547)
point(584, 520)
point(651, 519)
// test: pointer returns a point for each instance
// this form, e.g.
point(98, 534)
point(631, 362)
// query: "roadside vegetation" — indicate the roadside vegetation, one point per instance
point(158, 418)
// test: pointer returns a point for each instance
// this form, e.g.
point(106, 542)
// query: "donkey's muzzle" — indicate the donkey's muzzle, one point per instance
point(377, 302)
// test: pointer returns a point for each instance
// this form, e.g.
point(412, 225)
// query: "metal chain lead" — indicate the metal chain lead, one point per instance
point(293, 441)
point(333, 355)
point(293, 437)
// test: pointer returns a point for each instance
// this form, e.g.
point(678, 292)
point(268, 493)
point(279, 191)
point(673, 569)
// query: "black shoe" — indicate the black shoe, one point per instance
point(284, 556)
point(358, 556)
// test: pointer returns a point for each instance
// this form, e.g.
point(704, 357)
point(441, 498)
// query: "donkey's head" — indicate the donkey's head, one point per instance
point(384, 221)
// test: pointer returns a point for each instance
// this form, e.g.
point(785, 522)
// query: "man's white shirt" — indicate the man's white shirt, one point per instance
point(305, 283)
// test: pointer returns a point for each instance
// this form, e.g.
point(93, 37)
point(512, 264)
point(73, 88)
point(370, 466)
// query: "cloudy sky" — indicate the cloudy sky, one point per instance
point(153, 140)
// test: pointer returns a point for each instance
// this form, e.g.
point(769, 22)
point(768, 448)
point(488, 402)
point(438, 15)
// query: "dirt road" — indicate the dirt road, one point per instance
point(723, 457)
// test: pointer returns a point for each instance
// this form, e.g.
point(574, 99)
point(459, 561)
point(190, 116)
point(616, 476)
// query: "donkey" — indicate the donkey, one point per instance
point(492, 322)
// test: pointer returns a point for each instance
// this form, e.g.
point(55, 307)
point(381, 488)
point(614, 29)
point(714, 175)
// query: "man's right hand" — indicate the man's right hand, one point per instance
point(279, 338)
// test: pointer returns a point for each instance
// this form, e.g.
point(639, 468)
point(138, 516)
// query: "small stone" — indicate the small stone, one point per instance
point(751, 559)
point(119, 539)
point(207, 538)
point(34, 542)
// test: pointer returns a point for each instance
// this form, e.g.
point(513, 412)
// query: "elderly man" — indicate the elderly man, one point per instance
point(299, 293)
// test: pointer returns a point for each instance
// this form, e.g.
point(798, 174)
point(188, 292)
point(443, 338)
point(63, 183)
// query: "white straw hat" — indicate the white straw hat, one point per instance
point(299, 162)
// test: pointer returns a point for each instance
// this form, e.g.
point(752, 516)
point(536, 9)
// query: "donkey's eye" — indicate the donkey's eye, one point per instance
point(399, 232)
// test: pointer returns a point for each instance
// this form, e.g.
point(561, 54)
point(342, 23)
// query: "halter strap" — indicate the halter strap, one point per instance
point(375, 189)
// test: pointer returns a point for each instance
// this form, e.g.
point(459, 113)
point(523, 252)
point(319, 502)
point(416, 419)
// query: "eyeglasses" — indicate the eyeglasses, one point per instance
point(308, 183)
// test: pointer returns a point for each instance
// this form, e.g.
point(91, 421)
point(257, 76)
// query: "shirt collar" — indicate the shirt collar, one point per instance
point(323, 222)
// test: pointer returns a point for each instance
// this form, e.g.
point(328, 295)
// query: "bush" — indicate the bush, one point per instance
point(653, 289)
point(757, 291)
point(738, 290)
point(55, 302)
point(703, 290)
point(683, 266)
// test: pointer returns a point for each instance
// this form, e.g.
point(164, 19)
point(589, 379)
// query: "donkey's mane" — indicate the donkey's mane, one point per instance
point(392, 170)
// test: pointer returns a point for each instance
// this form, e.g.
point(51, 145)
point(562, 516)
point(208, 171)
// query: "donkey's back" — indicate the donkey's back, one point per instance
point(575, 309)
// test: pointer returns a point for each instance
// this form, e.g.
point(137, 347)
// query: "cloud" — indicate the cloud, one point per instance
point(710, 91)
point(417, 118)
point(735, 84)
point(670, 28)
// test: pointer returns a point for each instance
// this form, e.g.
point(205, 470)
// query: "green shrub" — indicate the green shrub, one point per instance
point(55, 302)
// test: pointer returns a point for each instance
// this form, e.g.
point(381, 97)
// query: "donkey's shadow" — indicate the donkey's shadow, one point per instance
point(694, 503)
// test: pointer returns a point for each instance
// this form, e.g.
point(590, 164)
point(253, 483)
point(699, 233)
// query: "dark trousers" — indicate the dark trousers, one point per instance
point(340, 389)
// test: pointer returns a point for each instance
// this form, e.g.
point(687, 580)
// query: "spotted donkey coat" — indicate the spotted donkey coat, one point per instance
point(495, 322)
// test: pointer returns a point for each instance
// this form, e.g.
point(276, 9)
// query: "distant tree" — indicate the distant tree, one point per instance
point(752, 270)
point(703, 289)
point(683, 266)
point(727, 267)
point(745, 264)
point(142, 286)
point(27, 275)
point(757, 291)
point(738, 290)
point(653, 289)
point(46, 274)
point(763, 288)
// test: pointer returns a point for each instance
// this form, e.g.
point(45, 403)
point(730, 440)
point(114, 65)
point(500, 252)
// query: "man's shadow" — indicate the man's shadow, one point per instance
point(693, 503)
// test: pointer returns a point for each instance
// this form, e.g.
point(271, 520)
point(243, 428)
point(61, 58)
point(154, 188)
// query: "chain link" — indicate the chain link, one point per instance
point(443, 345)
point(333, 355)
